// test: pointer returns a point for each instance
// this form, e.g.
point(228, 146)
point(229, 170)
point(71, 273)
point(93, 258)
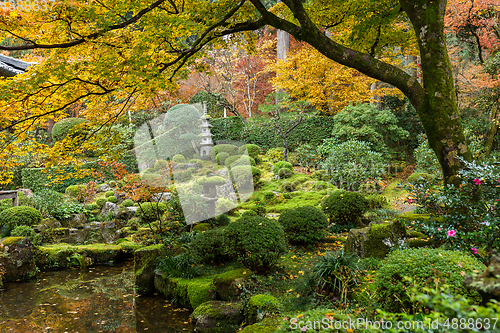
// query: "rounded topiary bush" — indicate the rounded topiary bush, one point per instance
point(24, 231)
point(420, 178)
point(72, 190)
point(199, 163)
point(150, 211)
point(304, 225)
point(160, 164)
point(208, 247)
point(239, 160)
point(109, 193)
point(128, 203)
point(256, 174)
point(17, 216)
point(257, 242)
point(100, 202)
point(280, 165)
point(179, 158)
point(426, 267)
point(343, 207)
point(253, 150)
point(223, 148)
point(112, 199)
point(249, 213)
point(66, 126)
point(222, 220)
point(224, 205)
point(377, 201)
point(285, 173)
point(211, 181)
point(221, 158)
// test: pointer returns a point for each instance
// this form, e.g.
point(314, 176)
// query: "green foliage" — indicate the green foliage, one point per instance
point(66, 209)
point(231, 150)
point(336, 273)
point(242, 175)
point(229, 128)
point(221, 158)
point(211, 181)
point(179, 158)
point(377, 201)
point(248, 213)
point(352, 162)
point(304, 225)
point(25, 231)
point(222, 220)
point(365, 122)
point(343, 207)
point(280, 165)
point(160, 164)
point(257, 242)
point(427, 161)
point(128, 203)
point(18, 216)
point(275, 154)
point(253, 150)
point(100, 202)
point(256, 173)
point(151, 211)
point(420, 178)
point(285, 173)
point(199, 163)
point(208, 247)
point(224, 205)
point(112, 199)
point(307, 156)
point(66, 126)
point(109, 194)
point(427, 267)
point(238, 160)
point(215, 103)
point(181, 265)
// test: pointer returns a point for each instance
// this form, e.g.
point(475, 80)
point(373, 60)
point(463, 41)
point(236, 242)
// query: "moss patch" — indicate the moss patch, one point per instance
point(12, 240)
point(259, 306)
point(271, 324)
point(144, 265)
point(218, 317)
point(228, 284)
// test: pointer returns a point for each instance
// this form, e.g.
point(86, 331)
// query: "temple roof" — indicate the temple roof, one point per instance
point(11, 66)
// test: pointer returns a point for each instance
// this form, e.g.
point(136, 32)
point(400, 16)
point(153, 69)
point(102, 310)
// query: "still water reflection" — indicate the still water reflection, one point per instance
point(99, 299)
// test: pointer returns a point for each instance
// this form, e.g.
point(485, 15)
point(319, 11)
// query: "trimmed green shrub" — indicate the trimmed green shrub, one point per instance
point(319, 174)
point(128, 203)
point(287, 186)
point(304, 225)
point(100, 202)
point(160, 164)
point(248, 213)
point(253, 150)
point(109, 193)
point(211, 181)
point(275, 154)
point(238, 160)
point(182, 175)
point(285, 173)
point(24, 231)
point(257, 242)
point(343, 207)
point(151, 211)
point(377, 201)
point(281, 164)
point(112, 199)
point(208, 247)
point(199, 163)
point(223, 148)
point(72, 190)
point(222, 220)
point(20, 215)
point(179, 158)
point(426, 267)
point(224, 205)
point(65, 126)
point(221, 158)
point(91, 206)
point(256, 174)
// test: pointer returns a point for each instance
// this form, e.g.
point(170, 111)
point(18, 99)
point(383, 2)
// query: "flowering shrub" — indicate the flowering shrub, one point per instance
point(464, 216)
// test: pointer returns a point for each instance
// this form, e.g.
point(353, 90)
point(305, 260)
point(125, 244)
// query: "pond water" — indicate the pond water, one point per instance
point(98, 299)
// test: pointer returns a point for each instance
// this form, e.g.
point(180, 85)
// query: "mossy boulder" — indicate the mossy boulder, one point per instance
point(202, 226)
point(188, 293)
point(17, 258)
point(144, 266)
point(218, 317)
point(270, 324)
point(260, 306)
point(228, 285)
point(486, 283)
point(376, 240)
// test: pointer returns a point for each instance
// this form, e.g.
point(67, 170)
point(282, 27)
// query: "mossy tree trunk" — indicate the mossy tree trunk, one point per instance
point(434, 100)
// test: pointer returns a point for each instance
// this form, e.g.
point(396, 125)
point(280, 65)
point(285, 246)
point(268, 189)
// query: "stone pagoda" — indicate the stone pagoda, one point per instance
point(206, 137)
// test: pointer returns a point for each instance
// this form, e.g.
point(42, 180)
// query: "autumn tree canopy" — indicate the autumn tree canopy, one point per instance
point(114, 55)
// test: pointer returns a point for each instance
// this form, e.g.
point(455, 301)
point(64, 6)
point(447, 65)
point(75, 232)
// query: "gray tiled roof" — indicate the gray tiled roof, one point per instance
point(11, 66)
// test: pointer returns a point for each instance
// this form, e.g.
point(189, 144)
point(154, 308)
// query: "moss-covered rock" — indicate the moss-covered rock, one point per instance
point(419, 242)
point(376, 240)
point(268, 325)
point(144, 266)
point(228, 285)
point(218, 317)
point(260, 306)
point(202, 226)
point(17, 258)
point(188, 293)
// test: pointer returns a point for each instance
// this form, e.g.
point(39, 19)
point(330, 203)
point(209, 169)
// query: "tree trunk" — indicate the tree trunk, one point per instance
point(435, 101)
point(492, 131)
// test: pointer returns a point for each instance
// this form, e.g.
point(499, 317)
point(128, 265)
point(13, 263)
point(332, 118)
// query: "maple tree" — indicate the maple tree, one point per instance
point(115, 55)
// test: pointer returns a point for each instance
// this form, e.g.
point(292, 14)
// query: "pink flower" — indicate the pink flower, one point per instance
point(499, 180)
point(410, 200)
point(474, 250)
point(477, 181)
point(439, 229)
point(451, 233)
